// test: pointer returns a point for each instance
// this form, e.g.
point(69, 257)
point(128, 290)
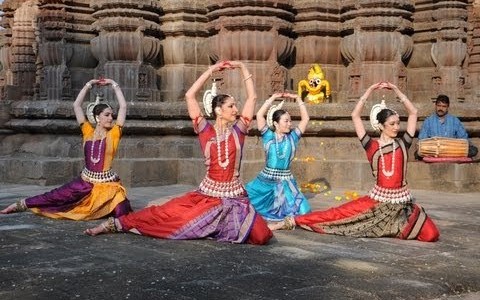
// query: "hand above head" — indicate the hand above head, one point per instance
point(220, 66)
point(379, 85)
point(292, 96)
point(232, 64)
point(101, 82)
point(106, 81)
point(276, 96)
point(387, 85)
point(91, 82)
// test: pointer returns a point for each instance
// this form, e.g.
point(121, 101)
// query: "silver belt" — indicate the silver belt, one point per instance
point(99, 177)
point(229, 189)
point(276, 174)
point(397, 195)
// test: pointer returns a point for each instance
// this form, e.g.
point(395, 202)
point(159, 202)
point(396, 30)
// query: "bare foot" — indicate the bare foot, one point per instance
point(276, 225)
point(9, 209)
point(111, 225)
point(286, 224)
point(100, 229)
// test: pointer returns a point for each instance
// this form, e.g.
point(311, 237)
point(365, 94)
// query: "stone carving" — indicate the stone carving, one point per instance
point(376, 41)
point(260, 36)
point(449, 50)
point(436, 86)
point(165, 44)
point(184, 52)
point(54, 51)
point(24, 48)
point(127, 43)
point(278, 78)
point(6, 75)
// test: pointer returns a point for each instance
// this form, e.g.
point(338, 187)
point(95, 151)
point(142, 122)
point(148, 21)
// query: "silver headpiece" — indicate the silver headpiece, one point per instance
point(91, 105)
point(208, 98)
point(271, 111)
point(374, 112)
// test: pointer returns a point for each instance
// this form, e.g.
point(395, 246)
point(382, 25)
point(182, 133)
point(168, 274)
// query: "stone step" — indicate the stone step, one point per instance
point(343, 174)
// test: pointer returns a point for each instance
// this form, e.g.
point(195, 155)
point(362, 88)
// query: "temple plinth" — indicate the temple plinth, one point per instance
point(156, 49)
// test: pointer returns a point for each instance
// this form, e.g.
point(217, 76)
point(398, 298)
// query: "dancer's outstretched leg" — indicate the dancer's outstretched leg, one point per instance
point(286, 224)
point(111, 225)
point(14, 207)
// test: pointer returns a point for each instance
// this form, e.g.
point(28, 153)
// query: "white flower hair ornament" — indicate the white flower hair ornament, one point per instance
point(376, 109)
point(208, 99)
point(271, 111)
point(91, 105)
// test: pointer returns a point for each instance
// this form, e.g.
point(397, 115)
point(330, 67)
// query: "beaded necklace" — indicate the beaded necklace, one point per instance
point(392, 170)
point(277, 148)
point(225, 134)
point(93, 159)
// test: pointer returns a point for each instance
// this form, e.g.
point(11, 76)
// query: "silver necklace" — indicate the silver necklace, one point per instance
point(93, 159)
point(392, 170)
point(226, 135)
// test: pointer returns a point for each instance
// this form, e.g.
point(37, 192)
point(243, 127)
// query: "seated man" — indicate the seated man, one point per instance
point(443, 124)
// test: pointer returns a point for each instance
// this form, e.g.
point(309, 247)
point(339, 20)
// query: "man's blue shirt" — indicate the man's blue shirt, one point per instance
point(451, 127)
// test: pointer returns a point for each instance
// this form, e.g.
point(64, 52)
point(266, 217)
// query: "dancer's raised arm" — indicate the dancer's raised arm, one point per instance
point(77, 104)
point(304, 117)
point(411, 109)
point(249, 105)
point(261, 120)
point(356, 113)
point(122, 104)
point(193, 107)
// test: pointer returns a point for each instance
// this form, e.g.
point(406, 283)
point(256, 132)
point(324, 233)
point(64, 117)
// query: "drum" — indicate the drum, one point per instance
point(443, 147)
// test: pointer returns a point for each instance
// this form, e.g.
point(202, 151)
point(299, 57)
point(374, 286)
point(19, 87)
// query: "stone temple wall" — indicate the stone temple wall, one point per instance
point(156, 49)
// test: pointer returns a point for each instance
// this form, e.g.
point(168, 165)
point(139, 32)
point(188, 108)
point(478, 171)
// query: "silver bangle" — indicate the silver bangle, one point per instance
point(115, 85)
point(88, 85)
point(248, 77)
point(301, 104)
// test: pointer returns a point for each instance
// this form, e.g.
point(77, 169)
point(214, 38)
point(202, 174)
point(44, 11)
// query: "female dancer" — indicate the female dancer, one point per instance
point(219, 209)
point(388, 210)
point(274, 192)
point(97, 192)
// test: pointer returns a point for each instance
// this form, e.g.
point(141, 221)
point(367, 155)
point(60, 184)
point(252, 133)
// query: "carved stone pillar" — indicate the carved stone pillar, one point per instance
point(318, 41)
point(420, 65)
point(450, 48)
point(376, 42)
point(184, 47)
point(6, 75)
point(256, 32)
point(65, 61)
point(474, 50)
point(128, 45)
point(53, 77)
point(23, 49)
point(79, 33)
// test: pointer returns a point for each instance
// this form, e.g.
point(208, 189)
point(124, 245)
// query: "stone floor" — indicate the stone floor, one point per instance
point(42, 258)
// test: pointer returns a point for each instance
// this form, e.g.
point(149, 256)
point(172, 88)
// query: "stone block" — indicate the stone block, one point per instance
point(39, 170)
point(147, 172)
point(449, 177)
point(191, 171)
